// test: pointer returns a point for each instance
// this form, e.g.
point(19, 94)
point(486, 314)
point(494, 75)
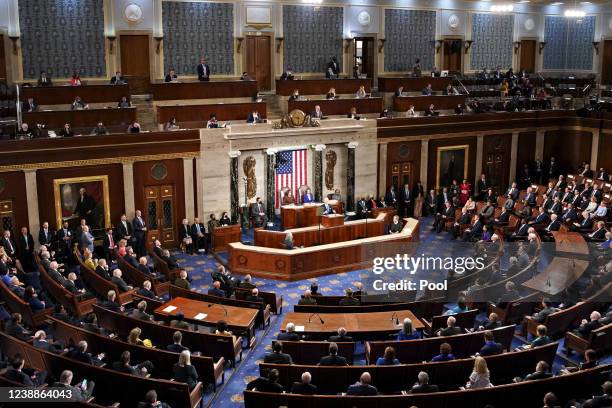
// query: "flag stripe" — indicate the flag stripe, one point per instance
point(291, 172)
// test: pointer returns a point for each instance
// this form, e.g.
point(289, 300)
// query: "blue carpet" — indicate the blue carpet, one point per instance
point(231, 393)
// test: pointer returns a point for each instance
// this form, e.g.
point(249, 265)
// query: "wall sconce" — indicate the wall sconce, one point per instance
point(159, 40)
point(517, 45)
point(381, 44)
point(347, 44)
point(438, 45)
point(14, 39)
point(596, 46)
point(542, 45)
point(239, 45)
point(279, 43)
point(111, 42)
point(467, 44)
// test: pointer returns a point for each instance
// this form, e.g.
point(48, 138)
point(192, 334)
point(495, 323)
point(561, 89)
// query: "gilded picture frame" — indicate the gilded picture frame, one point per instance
point(66, 194)
point(445, 171)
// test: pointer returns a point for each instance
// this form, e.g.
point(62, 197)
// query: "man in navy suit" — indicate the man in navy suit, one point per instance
point(391, 197)
point(490, 347)
point(307, 197)
point(530, 198)
point(289, 334)
point(570, 214)
point(203, 70)
point(522, 229)
point(216, 290)
point(124, 229)
point(541, 218)
point(327, 208)
point(362, 387)
point(513, 192)
point(475, 230)
point(46, 235)
point(140, 231)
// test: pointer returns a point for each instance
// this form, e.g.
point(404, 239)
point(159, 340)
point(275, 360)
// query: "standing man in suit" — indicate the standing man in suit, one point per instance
point(391, 197)
point(124, 229)
point(258, 211)
point(406, 201)
point(140, 231)
point(198, 236)
point(87, 240)
point(25, 249)
point(327, 208)
point(203, 70)
point(362, 208)
point(46, 235)
point(45, 79)
point(483, 186)
point(64, 240)
point(108, 243)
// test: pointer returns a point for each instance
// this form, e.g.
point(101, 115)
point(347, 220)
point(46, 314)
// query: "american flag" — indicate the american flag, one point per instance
point(291, 171)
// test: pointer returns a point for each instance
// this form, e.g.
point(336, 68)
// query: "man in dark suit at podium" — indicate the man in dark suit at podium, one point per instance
point(327, 208)
point(203, 70)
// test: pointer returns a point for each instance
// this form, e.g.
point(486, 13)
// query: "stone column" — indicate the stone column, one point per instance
point(382, 169)
point(350, 176)
point(539, 149)
point(234, 185)
point(594, 150)
point(424, 159)
point(270, 187)
point(317, 171)
point(32, 202)
point(479, 149)
point(189, 197)
point(128, 189)
point(513, 156)
point(200, 189)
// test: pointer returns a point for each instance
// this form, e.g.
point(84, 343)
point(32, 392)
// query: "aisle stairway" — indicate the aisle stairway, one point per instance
point(145, 112)
point(274, 110)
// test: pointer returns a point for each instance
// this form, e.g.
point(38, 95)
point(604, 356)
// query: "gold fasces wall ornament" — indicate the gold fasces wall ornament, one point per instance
point(248, 165)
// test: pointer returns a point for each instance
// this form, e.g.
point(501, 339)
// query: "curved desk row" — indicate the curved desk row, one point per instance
point(303, 263)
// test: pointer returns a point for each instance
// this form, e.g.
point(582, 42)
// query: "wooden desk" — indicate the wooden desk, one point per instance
point(332, 220)
point(570, 242)
point(204, 90)
point(389, 211)
point(238, 319)
point(321, 86)
point(54, 95)
point(87, 118)
point(223, 111)
point(222, 236)
point(315, 235)
point(402, 103)
point(360, 324)
point(391, 84)
point(339, 106)
point(305, 215)
point(303, 263)
point(558, 275)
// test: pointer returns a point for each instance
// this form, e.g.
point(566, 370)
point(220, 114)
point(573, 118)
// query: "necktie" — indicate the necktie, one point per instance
point(26, 242)
point(198, 228)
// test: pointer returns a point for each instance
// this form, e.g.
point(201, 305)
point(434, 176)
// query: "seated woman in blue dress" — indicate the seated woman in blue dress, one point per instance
point(446, 353)
point(388, 358)
point(407, 332)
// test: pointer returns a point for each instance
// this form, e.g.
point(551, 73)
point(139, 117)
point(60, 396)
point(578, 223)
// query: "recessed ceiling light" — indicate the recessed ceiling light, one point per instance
point(557, 3)
point(525, 1)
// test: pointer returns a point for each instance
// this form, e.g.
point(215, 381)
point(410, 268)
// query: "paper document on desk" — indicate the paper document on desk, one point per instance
point(200, 316)
point(169, 309)
point(299, 328)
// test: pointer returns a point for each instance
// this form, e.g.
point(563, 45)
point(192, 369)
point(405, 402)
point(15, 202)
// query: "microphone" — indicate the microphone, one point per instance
point(217, 304)
point(318, 315)
point(396, 318)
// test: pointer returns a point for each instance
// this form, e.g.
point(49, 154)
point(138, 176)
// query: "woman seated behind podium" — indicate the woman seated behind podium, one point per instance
point(288, 242)
point(66, 131)
point(171, 125)
point(331, 94)
point(353, 114)
point(407, 332)
point(288, 198)
point(225, 219)
point(295, 95)
point(124, 103)
point(75, 80)
point(134, 128)
point(79, 104)
point(396, 225)
point(361, 93)
point(171, 77)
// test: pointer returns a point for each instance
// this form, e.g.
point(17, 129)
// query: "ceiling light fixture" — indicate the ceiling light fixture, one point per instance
point(502, 8)
point(574, 13)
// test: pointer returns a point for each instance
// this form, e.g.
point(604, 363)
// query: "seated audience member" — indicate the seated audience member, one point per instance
point(601, 401)
point(491, 347)
point(171, 125)
point(361, 92)
point(407, 332)
point(75, 80)
point(307, 299)
point(100, 129)
point(460, 307)
point(176, 346)
point(31, 297)
point(225, 220)
point(179, 322)
point(446, 353)
point(118, 79)
point(547, 309)
point(542, 338)
point(140, 312)
point(333, 359)
point(277, 356)
point(430, 111)
point(304, 387)
point(289, 334)
point(111, 302)
point(182, 282)
point(492, 322)
point(117, 279)
point(184, 372)
point(213, 122)
point(254, 117)
point(29, 106)
point(246, 283)
point(411, 112)
point(353, 114)
point(266, 384)
point(331, 94)
point(340, 337)
point(587, 326)
point(124, 365)
point(134, 128)
point(14, 328)
point(245, 76)
point(362, 387)
point(124, 103)
point(151, 401)
point(171, 76)
point(15, 373)
point(288, 241)
point(78, 104)
point(427, 91)
point(459, 109)
point(349, 300)
point(295, 95)
point(24, 132)
point(146, 291)
point(44, 79)
point(287, 75)
point(396, 226)
point(541, 372)
point(41, 342)
point(222, 329)
point(81, 392)
point(388, 358)
point(216, 290)
point(480, 375)
point(80, 353)
point(422, 386)
point(450, 328)
point(66, 131)
point(550, 400)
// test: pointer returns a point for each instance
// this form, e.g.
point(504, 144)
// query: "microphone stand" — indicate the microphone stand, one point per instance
point(396, 318)
point(218, 304)
point(318, 315)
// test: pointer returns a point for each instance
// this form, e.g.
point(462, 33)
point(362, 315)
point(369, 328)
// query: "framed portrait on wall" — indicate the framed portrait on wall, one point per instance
point(82, 197)
point(452, 164)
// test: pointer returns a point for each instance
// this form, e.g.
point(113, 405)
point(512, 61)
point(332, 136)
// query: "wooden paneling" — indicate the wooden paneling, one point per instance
point(526, 149)
point(53, 95)
point(433, 158)
point(404, 152)
point(339, 106)
point(2, 57)
point(604, 155)
point(259, 60)
point(45, 177)
point(135, 62)
point(82, 118)
point(390, 84)
point(204, 90)
point(174, 177)
point(528, 55)
point(606, 68)
point(223, 111)
point(453, 52)
point(496, 159)
point(321, 86)
point(569, 147)
point(441, 102)
point(13, 189)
